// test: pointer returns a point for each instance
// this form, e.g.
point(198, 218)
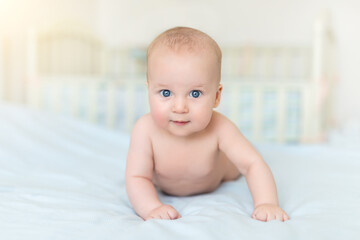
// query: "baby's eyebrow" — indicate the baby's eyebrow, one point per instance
point(164, 85)
point(161, 85)
point(201, 86)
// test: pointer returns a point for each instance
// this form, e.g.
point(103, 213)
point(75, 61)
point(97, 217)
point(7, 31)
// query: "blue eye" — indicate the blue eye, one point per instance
point(165, 93)
point(195, 93)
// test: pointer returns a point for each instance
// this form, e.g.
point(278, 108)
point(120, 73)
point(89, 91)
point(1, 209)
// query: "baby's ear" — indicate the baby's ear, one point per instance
point(218, 96)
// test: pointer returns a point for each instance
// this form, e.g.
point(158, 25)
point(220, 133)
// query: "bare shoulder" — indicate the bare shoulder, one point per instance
point(221, 123)
point(141, 133)
point(226, 130)
point(143, 125)
point(234, 144)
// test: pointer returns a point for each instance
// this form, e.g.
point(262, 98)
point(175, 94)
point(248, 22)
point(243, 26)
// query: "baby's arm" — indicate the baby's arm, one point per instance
point(258, 175)
point(139, 172)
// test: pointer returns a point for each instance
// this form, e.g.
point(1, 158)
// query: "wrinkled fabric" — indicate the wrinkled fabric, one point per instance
point(62, 178)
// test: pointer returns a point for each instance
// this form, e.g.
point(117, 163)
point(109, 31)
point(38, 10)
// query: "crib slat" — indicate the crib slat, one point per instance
point(281, 115)
point(306, 114)
point(129, 111)
point(111, 105)
point(234, 102)
point(258, 116)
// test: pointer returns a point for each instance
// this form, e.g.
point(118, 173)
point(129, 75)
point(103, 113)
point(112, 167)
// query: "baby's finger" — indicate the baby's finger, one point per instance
point(173, 214)
point(270, 216)
point(164, 215)
point(286, 217)
point(262, 216)
point(279, 217)
point(156, 217)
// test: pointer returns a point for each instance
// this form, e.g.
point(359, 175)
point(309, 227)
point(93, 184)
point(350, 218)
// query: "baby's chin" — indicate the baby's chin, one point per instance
point(184, 131)
point(181, 134)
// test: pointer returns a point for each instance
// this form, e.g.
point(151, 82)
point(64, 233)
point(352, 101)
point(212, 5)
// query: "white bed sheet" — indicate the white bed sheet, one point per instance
point(64, 179)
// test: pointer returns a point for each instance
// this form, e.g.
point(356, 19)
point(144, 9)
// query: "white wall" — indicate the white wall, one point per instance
point(16, 18)
point(17, 15)
point(230, 22)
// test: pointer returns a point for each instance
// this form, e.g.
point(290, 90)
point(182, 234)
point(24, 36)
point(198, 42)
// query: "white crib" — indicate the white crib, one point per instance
point(273, 93)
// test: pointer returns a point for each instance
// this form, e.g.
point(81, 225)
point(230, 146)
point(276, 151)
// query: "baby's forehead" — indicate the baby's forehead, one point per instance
point(182, 51)
point(201, 47)
point(185, 39)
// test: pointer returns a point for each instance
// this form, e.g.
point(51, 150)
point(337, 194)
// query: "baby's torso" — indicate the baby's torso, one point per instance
point(185, 167)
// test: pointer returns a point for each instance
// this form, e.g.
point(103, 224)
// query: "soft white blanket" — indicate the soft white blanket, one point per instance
point(64, 179)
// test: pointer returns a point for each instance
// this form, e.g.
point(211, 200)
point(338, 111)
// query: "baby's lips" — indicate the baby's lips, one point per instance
point(180, 122)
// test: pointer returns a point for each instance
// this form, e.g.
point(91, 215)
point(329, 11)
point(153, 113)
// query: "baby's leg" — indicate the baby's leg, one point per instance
point(231, 173)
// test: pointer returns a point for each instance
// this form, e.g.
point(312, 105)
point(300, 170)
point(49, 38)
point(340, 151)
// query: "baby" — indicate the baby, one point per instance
point(183, 146)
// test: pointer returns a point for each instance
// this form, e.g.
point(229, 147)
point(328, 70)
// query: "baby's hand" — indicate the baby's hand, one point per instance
point(163, 212)
point(268, 212)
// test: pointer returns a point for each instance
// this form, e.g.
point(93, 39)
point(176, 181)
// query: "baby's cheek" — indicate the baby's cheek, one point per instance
point(202, 117)
point(159, 117)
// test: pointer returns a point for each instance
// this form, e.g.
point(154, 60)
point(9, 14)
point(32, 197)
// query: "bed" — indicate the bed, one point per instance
point(61, 178)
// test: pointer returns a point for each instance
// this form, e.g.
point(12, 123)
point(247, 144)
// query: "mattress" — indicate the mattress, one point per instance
point(61, 178)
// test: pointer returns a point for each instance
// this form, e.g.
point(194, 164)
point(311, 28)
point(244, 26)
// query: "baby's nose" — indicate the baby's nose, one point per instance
point(180, 106)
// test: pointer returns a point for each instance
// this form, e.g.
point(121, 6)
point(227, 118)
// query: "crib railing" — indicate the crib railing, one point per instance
point(273, 93)
point(269, 111)
point(262, 111)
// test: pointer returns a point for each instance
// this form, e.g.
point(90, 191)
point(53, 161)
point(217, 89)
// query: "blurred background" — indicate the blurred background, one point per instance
point(123, 29)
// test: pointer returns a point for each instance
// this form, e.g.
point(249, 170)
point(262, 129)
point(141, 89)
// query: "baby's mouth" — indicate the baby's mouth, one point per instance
point(180, 123)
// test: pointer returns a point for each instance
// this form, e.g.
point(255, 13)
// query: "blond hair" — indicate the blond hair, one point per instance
point(180, 38)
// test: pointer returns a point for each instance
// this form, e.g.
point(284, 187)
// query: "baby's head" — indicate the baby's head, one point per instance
point(185, 40)
point(183, 77)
